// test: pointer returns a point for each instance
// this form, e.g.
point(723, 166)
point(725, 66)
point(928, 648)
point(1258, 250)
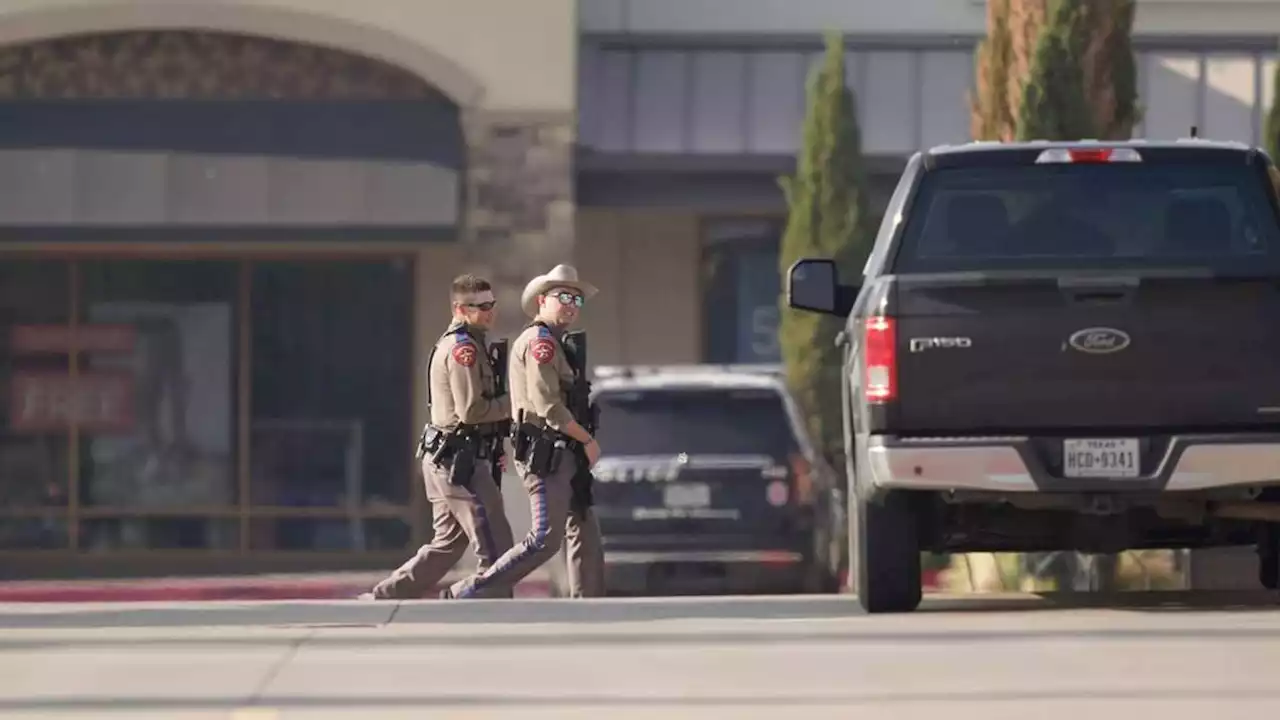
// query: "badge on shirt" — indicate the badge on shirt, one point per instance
point(542, 350)
point(464, 354)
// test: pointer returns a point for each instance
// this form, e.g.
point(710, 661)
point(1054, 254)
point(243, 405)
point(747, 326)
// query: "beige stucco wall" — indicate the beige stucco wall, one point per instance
point(499, 55)
point(1164, 17)
point(510, 65)
point(646, 263)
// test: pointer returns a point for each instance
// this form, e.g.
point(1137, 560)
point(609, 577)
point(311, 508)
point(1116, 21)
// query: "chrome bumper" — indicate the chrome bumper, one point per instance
point(1010, 465)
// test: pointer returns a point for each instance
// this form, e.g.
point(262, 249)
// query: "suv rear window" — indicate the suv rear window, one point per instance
point(1215, 216)
point(695, 421)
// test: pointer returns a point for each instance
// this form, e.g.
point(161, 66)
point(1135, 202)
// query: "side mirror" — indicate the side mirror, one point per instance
point(813, 285)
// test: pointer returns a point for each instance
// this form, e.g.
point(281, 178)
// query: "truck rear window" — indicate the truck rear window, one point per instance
point(1120, 215)
point(716, 421)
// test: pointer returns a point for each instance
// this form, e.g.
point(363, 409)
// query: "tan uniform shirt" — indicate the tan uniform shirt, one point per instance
point(540, 378)
point(462, 382)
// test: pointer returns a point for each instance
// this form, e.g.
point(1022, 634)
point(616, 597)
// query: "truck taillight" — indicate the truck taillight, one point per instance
point(881, 353)
point(1088, 155)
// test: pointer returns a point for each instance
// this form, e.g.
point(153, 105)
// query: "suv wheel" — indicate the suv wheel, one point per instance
point(1269, 556)
point(886, 557)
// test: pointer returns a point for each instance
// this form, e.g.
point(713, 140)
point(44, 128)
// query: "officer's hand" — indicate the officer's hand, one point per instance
point(593, 453)
point(502, 462)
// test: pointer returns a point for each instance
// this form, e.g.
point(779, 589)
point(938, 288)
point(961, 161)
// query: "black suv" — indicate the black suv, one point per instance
point(1061, 346)
point(708, 484)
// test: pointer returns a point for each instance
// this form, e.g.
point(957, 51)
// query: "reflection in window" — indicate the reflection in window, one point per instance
point(329, 534)
point(158, 367)
point(33, 533)
point(35, 394)
point(741, 287)
point(332, 384)
point(160, 533)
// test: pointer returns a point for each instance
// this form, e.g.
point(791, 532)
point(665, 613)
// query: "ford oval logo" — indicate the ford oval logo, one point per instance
point(1099, 340)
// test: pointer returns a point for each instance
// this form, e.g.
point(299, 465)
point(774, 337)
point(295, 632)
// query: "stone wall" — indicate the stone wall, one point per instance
point(519, 202)
point(191, 64)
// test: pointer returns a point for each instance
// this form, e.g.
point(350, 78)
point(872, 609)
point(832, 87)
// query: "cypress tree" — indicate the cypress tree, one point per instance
point(990, 118)
point(1054, 104)
point(1002, 63)
point(1111, 70)
point(827, 217)
point(1004, 59)
point(1271, 135)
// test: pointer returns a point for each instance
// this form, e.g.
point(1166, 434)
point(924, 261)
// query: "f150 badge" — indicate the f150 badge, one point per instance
point(939, 343)
point(1099, 340)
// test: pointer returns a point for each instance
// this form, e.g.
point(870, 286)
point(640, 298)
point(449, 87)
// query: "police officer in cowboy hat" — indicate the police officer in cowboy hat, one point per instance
point(540, 377)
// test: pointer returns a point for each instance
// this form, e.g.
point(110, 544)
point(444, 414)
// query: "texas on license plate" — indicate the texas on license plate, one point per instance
point(686, 495)
point(1100, 458)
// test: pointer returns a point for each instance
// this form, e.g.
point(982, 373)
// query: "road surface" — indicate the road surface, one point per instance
point(667, 658)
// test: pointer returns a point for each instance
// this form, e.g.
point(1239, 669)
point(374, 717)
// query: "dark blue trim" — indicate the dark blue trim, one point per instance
point(415, 130)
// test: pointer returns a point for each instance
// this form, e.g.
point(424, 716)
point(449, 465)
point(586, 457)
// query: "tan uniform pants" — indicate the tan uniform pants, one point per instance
point(459, 516)
point(552, 523)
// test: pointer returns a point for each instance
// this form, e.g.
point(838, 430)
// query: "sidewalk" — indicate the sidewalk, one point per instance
point(307, 586)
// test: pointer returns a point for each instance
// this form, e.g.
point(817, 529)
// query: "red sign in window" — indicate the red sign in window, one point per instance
point(56, 339)
point(99, 402)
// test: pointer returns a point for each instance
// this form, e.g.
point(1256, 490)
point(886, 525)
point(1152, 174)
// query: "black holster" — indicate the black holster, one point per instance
point(430, 442)
point(539, 449)
point(460, 449)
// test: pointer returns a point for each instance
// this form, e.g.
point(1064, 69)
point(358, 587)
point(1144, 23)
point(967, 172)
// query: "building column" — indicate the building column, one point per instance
point(519, 201)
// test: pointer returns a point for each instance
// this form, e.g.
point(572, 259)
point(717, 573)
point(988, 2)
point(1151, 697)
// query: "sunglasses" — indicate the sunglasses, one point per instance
point(485, 306)
point(568, 298)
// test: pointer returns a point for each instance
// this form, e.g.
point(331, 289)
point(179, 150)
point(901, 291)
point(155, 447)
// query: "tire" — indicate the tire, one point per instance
point(1269, 557)
point(819, 576)
point(886, 558)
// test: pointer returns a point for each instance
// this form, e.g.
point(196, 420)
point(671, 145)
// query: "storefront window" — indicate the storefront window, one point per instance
point(332, 403)
point(157, 364)
point(741, 288)
point(36, 402)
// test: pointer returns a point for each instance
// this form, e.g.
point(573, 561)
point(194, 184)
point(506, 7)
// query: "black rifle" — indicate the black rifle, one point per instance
point(583, 411)
point(498, 354)
point(498, 358)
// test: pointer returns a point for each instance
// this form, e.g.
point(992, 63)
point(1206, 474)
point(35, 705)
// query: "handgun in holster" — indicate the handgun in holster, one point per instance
point(430, 440)
point(465, 450)
point(537, 448)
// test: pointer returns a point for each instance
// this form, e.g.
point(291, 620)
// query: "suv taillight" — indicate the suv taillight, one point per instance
point(881, 354)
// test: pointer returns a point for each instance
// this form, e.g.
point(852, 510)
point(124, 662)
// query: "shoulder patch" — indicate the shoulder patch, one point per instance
point(542, 350)
point(543, 332)
point(464, 353)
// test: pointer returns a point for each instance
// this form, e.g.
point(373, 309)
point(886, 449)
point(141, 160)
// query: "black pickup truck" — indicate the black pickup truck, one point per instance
point(1061, 346)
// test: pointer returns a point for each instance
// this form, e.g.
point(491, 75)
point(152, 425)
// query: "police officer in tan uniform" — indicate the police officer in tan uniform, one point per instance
point(461, 450)
point(545, 456)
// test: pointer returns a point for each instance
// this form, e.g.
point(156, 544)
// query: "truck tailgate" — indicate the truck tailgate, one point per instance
point(1027, 354)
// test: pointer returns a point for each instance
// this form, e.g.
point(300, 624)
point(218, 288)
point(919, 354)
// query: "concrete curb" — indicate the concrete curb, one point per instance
point(195, 589)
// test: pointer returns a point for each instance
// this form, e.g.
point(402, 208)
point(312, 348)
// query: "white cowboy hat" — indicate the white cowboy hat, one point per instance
point(560, 276)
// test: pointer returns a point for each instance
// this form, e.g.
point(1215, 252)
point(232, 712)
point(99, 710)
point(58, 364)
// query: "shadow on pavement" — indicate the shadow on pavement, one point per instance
point(653, 700)
point(1142, 601)
point(320, 614)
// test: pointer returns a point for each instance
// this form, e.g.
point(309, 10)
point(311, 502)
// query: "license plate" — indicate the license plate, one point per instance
point(1102, 458)
point(687, 495)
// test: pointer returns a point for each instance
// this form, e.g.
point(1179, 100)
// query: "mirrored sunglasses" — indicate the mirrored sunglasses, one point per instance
point(568, 298)
point(486, 306)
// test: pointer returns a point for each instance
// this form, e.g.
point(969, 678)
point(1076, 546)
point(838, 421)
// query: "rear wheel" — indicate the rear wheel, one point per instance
point(1269, 556)
point(820, 577)
point(886, 554)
